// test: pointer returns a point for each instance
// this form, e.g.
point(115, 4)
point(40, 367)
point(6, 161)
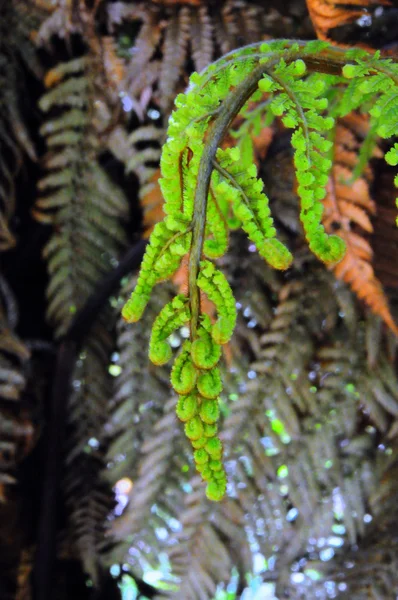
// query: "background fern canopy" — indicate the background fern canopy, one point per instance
point(285, 370)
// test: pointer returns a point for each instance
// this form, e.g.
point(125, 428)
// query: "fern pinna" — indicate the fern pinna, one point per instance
point(209, 190)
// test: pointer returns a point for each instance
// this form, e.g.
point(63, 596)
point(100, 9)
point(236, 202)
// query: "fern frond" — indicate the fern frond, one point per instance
point(80, 199)
point(16, 430)
point(88, 498)
point(190, 189)
point(174, 54)
point(328, 14)
point(347, 210)
point(86, 209)
point(202, 560)
point(148, 449)
point(198, 31)
point(201, 36)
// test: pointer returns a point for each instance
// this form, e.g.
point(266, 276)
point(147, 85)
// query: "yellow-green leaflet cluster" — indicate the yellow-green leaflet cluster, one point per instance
point(198, 219)
point(195, 375)
point(196, 378)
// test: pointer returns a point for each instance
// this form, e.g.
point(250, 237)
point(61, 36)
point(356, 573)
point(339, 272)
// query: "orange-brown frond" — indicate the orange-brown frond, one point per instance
point(328, 14)
point(114, 65)
point(348, 208)
point(152, 204)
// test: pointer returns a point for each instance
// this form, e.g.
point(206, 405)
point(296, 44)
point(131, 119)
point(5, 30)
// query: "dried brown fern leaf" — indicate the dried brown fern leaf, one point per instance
point(348, 208)
point(201, 36)
point(179, 32)
point(67, 18)
point(328, 14)
point(63, 21)
point(112, 63)
point(139, 74)
point(174, 55)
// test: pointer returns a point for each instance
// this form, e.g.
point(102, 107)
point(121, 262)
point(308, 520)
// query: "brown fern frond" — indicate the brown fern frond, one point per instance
point(328, 14)
point(174, 54)
point(201, 36)
point(178, 32)
point(113, 64)
point(152, 204)
point(16, 430)
point(348, 208)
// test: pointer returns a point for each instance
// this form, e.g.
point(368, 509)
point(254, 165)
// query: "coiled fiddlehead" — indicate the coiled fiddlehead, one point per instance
point(208, 190)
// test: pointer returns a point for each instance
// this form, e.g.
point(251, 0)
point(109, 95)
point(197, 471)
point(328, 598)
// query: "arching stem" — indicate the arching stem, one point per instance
point(330, 60)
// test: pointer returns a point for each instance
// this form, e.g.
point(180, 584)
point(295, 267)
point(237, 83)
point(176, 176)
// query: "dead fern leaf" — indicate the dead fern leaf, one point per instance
point(328, 14)
point(347, 210)
point(171, 33)
point(113, 64)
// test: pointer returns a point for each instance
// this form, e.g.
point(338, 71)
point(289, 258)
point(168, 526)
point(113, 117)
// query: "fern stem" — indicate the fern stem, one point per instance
point(231, 106)
point(236, 185)
point(330, 60)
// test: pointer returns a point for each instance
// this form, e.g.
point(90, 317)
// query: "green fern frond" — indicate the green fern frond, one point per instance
point(86, 210)
point(78, 197)
point(199, 180)
point(88, 497)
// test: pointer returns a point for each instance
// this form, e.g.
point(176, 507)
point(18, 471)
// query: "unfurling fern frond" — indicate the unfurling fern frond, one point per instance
point(205, 186)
